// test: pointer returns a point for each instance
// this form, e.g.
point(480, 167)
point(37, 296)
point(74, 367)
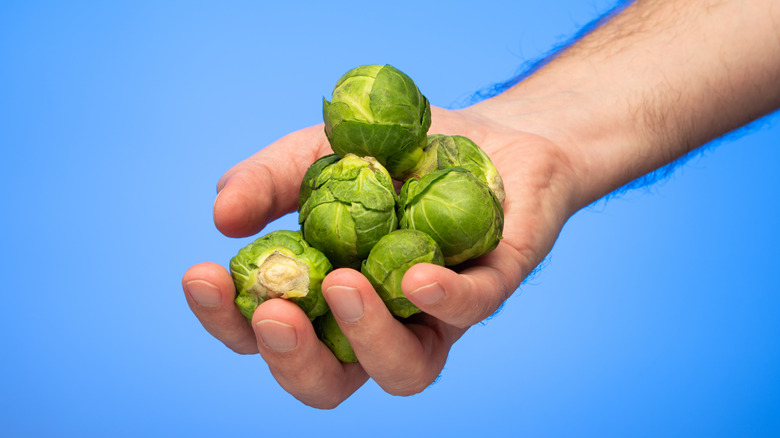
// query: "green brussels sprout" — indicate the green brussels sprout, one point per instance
point(389, 260)
point(445, 151)
point(456, 209)
point(307, 185)
point(280, 265)
point(378, 111)
point(330, 334)
point(351, 206)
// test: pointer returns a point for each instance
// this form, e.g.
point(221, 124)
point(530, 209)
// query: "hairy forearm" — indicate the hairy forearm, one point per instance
point(654, 82)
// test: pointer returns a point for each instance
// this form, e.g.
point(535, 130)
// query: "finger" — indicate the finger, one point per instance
point(209, 290)
point(302, 364)
point(266, 185)
point(466, 298)
point(402, 360)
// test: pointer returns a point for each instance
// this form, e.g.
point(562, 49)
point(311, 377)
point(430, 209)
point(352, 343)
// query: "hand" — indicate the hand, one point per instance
point(402, 358)
point(584, 124)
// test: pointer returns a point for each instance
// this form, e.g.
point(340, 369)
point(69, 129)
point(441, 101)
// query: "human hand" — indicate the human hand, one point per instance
point(403, 358)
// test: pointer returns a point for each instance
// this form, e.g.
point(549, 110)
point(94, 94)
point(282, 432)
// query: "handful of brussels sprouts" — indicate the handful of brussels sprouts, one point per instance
point(449, 208)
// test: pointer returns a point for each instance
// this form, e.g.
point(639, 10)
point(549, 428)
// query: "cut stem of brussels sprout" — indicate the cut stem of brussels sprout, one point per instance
point(280, 265)
point(281, 276)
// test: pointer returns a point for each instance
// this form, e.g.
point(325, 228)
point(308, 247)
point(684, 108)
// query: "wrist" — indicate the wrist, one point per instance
point(594, 157)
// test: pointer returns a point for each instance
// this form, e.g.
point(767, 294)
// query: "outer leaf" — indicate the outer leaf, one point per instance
point(378, 111)
point(389, 260)
point(371, 225)
point(331, 228)
point(445, 151)
point(398, 148)
point(351, 207)
point(394, 96)
point(309, 178)
point(456, 209)
point(330, 334)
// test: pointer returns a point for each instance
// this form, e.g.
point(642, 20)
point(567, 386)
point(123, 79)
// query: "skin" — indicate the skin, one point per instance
point(650, 85)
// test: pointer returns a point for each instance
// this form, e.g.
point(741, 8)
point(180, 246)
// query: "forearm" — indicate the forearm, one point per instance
point(656, 81)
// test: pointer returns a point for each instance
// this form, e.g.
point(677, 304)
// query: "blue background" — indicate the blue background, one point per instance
point(657, 314)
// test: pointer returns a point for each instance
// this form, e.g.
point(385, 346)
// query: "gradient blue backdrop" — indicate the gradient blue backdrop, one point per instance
point(657, 314)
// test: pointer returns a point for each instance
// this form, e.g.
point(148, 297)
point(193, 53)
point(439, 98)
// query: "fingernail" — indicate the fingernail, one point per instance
point(278, 336)
point(429, 294)
point(345, 302)
point(204, 293)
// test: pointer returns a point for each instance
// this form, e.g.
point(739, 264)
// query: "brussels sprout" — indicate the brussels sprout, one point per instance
point(378, 111)
point(389, 260)
point(445, 151)
point(280, 265)
point(351, 206)
point(330, 334)
point(307, 185)
point(456, 209)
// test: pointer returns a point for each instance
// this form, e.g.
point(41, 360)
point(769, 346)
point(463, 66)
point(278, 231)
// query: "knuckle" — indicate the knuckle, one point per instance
point(407, 389)
point(244, 348)
point(470, 309)
point(323, 405)
point(414, 382)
